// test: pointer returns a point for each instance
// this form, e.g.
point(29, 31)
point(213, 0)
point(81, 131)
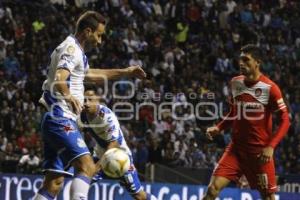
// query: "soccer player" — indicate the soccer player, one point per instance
point(63, 96)
point(255, 98)
point(104, 127)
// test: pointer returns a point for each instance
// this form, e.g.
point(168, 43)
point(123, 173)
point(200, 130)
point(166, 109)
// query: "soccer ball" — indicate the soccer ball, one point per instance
point(115, 162)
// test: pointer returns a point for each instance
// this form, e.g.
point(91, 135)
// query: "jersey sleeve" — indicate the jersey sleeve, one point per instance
point(276, 101)
point(113, 129)
point(277, 104)
point(67, 58)
point(113, 126)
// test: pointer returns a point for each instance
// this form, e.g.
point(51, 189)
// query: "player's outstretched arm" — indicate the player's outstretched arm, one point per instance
point(227, 121)
point(224, 124)
point(99, 75)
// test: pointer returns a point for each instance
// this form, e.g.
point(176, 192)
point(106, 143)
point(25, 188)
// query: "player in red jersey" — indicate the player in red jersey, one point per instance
point(254, 99)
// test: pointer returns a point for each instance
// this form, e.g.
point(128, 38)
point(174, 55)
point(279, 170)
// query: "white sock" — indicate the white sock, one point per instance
point(43, 195)
point(151, 197)
point(80, 188)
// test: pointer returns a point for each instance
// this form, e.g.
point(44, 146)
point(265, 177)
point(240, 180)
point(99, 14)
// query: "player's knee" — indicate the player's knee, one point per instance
point(85, 165)
point(213, 190)
point(142, 195)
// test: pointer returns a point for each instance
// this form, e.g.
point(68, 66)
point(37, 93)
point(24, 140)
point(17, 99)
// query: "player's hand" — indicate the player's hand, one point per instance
point(136, 71)
point(76, 106)
point(98, 166)
point(212, 131)
point(266, 155)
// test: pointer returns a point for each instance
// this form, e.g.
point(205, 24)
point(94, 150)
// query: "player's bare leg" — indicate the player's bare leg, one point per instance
point(142, 195)
point(217, 183)
point(52, 184)
point(85, 170)
point(267, 196)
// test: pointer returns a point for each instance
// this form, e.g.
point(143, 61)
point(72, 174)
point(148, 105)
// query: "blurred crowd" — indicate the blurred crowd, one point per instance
point(189, 50)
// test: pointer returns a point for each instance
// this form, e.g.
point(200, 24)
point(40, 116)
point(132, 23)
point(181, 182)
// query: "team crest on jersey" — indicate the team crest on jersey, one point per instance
point(258, 92)
point(238, 89)
point(71, 49)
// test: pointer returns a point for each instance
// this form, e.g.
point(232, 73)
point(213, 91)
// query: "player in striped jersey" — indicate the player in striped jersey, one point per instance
point(103, 125)
point(63, 96)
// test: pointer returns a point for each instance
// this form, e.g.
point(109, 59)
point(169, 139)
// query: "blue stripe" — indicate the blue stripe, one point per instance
point(120, 138)
point(43, 119)
point(85, 60)
point(50, 100)
point(46, 194)
point(105, 110)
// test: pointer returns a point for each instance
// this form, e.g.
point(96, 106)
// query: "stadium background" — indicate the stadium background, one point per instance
point(186, 47)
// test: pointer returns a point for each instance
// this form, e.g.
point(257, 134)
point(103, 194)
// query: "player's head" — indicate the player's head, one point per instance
point(250, 59)
point(91, 25)
point(91, 98)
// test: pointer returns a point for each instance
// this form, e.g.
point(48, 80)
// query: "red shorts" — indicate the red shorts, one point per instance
point(234, 164)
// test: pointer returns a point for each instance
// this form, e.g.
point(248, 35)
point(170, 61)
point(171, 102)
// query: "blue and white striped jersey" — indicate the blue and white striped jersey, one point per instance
point(68, 55)
point(104, 128)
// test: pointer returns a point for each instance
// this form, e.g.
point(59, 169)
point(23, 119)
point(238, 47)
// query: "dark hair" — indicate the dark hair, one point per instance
point(89, 19)
point(254, 50)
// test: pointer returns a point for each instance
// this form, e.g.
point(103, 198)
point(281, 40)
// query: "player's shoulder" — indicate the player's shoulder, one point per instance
point(109, 116)
point(266, 80)
point(108, 113)
point(104, 109)
point(70, 46)
point(239, 78)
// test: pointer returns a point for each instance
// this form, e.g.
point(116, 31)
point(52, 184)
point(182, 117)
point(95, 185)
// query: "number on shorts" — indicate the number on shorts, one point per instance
point(262, 181)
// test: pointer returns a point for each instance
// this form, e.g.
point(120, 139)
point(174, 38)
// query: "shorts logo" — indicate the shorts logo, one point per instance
point(68, 128)
point(80, 143)
point(258, 92)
